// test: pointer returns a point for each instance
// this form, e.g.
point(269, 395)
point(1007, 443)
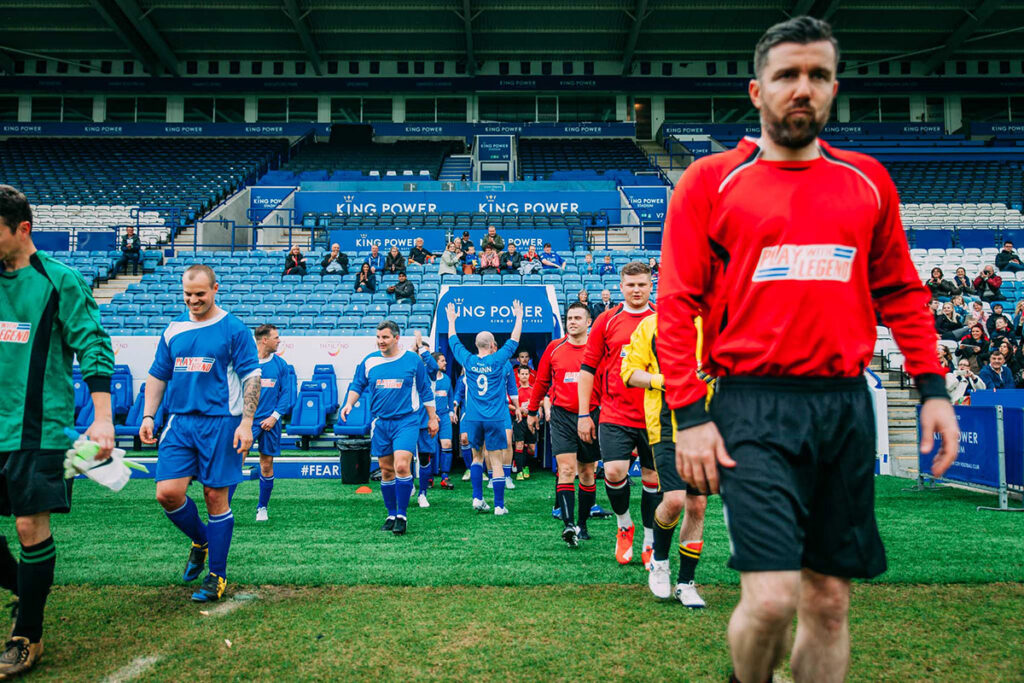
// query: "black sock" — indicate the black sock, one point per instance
point(520, 460)
point(588, 496)
point(8, 567)
point(663, 533)
point(35, 576)
point(618, 494)
point(567, 502)
point(650, 499)
point(689, 556)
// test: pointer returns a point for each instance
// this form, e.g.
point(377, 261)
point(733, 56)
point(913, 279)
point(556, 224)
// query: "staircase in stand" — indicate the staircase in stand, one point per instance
point(456, 166)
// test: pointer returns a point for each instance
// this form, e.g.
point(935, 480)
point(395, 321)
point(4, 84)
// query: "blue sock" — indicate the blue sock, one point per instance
point(219, 531)
point(231, 492)
point(446, 462)
point(403, 491)
point(424, 477)
point(187, 519)
point(387, 492)
point(508, 470)
point(266, 488)
point(499, 491)
point(476, 476)
point(467, 456)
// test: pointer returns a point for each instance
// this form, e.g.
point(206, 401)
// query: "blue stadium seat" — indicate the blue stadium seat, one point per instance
point(308, 415)
point(358, 421)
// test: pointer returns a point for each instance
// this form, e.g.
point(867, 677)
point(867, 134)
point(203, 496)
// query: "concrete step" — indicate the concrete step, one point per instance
point(904, 423)
point(902, 413)
point(109, 289)
point(904, 460)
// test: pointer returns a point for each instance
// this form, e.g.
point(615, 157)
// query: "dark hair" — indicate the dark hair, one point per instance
point(996, 352)
point(997, 304)
point(580, 305)
point(388, 325)
point(938, 269)
point(635, 268)
point(14, 208)
point(201, 268)
point(365, 265)
point(547, 244)
point(801, 30)
point(523, 367)
point(264, 330)
point(1008, 242)
point(437, 355)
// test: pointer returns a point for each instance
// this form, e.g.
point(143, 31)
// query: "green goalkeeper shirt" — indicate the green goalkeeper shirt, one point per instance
point(47, 317)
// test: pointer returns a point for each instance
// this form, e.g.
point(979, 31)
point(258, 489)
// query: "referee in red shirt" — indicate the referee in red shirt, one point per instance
point(767, 241)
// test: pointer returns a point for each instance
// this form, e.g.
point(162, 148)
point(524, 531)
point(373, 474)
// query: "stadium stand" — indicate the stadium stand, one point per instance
point(81, 182)
point(618, 160)
point(341, 162)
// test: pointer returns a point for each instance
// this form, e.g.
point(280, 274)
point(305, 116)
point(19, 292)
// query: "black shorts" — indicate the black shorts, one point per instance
point(32, 481)
point(521, 432)
point(802, 493)
point(619, 442)
point(669, 478)
point(565, 436)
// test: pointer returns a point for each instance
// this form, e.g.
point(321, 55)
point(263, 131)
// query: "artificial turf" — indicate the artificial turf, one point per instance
point(319, 593)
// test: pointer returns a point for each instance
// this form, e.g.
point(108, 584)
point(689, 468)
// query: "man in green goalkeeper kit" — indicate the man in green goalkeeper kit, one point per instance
point(47, 317)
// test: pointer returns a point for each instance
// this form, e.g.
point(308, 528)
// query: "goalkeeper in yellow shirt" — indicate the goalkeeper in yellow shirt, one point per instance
point(640, 369)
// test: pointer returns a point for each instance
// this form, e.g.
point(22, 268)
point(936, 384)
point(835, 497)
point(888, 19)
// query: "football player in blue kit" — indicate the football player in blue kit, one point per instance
point(275, 401)
point(398, 385)
point(436, 364)
point(207, 373)
point(486, 407)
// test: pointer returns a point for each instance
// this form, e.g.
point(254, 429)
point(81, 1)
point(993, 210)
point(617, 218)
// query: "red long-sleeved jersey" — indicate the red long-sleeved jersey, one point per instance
point(620, 405)
point(558, 373)
point(787, 262)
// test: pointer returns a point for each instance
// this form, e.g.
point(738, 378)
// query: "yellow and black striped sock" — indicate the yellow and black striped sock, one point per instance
point(663, 533)
point(689, 556)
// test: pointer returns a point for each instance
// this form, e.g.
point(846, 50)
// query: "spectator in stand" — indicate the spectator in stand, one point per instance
point(530, 263)
point(470, 261)
point(1011, 358)
point(366, 281)
point(938, 286)
point(335, 263)
point(978, 311)
point(492, 239)
point(294, 262)
point(458, 246)
point(403, 289)
point(949, 325)
point(996, 375)
point(965, 382)
point(588, 267)
point(963, 283)
point(1017, 323)
point(376, 260)
point(987, 284)
point(489, 262)
point(419, 254)
point(653, 263)
point(550, 260)
point(1001, 331)
point(131, 251)
point(946, 359)
point(607, 268)
point(974, 347)
point(1008, 260)
point(395, 262)
point(958, 305)
point(583, 296)
point(509, 260)
point(599, 307)
point(465, 241)
point(451, 260)
point(991, 325)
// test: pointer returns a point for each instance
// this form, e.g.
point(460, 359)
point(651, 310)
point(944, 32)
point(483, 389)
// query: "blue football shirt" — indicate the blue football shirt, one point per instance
point(398, 386)
point(205, 365)
point(274, 396)
point(487, 380)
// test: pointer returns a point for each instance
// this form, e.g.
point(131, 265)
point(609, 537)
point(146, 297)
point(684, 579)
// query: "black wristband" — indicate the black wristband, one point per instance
point(151, 417)
point(931, 385)
point(691, 415)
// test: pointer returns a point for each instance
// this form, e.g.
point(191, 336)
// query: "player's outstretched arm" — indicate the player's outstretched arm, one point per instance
point(250, 400)
point(102, 428)
point(937, 416)
point(154, 395)
point(517, 311)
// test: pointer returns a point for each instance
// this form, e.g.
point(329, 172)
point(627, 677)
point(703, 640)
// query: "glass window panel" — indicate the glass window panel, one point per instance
point(377, 109)
point(894, 108)
point(46, 109)
point(152, 109)
point(272, 109)
point(985, 109)
point(302, 109)
point(121, 109)
point(688, 110)
point(510, 108)
point(345, 109)
point(230, 110)
point(198, 109)
point(451, 109)
point(585, 108)
point(1017, 108)
point(864, 109)
point(9, 109)
point(419, 109)
point(733, 110)
point(76, 109)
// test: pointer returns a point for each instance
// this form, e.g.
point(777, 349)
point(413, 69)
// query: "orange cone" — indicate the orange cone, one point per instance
point(363, 489)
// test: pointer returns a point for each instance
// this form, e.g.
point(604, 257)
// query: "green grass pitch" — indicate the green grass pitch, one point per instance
point(320, 593)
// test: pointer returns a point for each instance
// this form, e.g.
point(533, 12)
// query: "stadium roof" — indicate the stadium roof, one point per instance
point(167, 32)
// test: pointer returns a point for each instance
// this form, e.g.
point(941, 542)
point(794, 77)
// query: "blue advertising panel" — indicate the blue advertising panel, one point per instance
point(262, 200)
point(435, 239)
point(96, 240)
point(52, 240)
point(613, 129)
point(1004, 129)
point(356, 203)
point(489, 307)
point(734, 131)
point(978, 459)
point(165, 129)
point(1012, 400)
point(494, 147)
point(650, 203)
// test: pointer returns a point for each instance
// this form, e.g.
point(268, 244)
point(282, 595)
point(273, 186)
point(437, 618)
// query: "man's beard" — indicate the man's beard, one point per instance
point(786, 132)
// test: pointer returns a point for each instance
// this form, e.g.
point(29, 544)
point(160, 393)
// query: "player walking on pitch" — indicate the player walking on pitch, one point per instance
point(398, 385)
point(274, 402)
point(207, 373)
point(486, 406)
point(623, 428)
point(766, 241)
point(640, 368)
point(47, 316)
point(558, 372)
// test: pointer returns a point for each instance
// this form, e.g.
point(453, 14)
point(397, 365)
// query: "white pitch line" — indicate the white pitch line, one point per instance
point(133, 669)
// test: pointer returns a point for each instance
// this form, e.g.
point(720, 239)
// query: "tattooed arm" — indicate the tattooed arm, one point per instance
point(250, 399)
